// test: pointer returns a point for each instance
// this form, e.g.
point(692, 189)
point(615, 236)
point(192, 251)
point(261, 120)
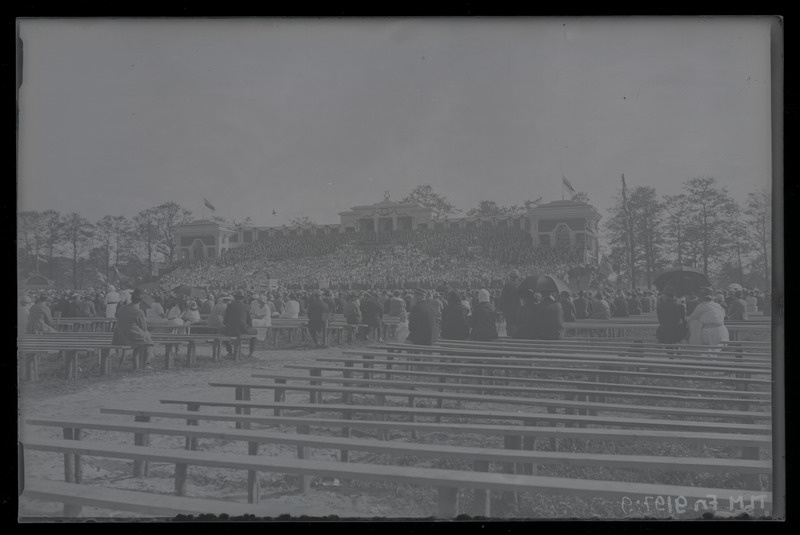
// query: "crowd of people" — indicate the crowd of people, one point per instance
point(424, 315)
point(462, 258)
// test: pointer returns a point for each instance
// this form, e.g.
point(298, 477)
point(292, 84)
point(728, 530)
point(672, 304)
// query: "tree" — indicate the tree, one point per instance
point(527, 204)
point(676, 214)
point(707, 204)
point(301, 221)
point(31, 237)
point(736, 233)
point(77, 233)
point(146, 236)
point(424, 195)
point(112, 232)
point(759, 219)
point(485, 209)
point(644, 252)
point(492, 209)
point(52, 237)
point(167, 217)
point(581, 197)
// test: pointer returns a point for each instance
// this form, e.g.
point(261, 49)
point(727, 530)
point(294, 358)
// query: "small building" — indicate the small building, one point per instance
point(386, 216)
point(567, 224)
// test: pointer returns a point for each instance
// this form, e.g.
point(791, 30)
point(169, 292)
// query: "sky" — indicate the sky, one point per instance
point(309, 117)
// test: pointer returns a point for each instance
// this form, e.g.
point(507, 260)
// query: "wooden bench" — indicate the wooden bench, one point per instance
point(529, 368)
point(75, 497)
point(600, 394)
point(449, 482)
point(70, 351)
point(243, 389)
point(507, 379)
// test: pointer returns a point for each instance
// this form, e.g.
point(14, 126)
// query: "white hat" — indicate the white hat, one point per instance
point(483, 296)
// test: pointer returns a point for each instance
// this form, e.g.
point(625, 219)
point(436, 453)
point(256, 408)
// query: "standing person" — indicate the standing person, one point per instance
point(25, 305)
point(751, 303)
point(454, 319)
point(620, 306)
point(422, 321)
point(317, 317)
point(601, 308)
point(528, 317)
point(262, 318)
point(509, 300)
point(372, 315)
point(111, 302)
point(671, 315)
point(40, 321)
point(634, 304)
point(737, 308)
point(568, 306)
point(483, 320)
point(174, 313)
point(85, 307)
point(208, 304)
point(397, 307)
point(581, 306)
point(352, 310)
point(707, 322)
point(131, 328)
point(644, 303)
point(551, 318)
point(237, 320)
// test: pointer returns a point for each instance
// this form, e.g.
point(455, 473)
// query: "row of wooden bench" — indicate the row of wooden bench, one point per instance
point(588, 418)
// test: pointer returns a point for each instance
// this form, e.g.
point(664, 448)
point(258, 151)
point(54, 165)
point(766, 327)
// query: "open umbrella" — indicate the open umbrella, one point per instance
point(685, 280)
point(546, 283)
point(529, 283)
point(146, 298)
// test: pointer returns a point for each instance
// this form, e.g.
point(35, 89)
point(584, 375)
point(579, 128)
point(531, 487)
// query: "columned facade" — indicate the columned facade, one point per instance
point(566, 224)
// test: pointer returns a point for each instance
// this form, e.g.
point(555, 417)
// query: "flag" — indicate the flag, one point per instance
point(567, 183)
point(605, 266)
point(209, 205)
point(119, 275)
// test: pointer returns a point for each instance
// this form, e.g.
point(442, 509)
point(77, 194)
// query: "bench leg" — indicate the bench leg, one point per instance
point(105, 362)
point(448, 502)
point(141, 468)
point(252, 476)
point(345, 454)
point(191, 354)
point(511, 442)
point(314, 396)
point(70, 510)
point(304, 481)
point(169, 357)
point(242, 394)
point(279, 396)
point(32, 366)
point(482, 504)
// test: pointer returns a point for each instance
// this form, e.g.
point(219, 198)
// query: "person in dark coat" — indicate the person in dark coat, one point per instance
point(454, 319)
point(528, 317)
point(645, 303)
point(238, 320)
point(483, 320)
point(509, 301)
point(634, 305)
point(40, 321)
point(86, 307)
point(568, 306)
point(422, 321)
point(131, 328)
point(317, 317)
point(737, 308)
point(581, 306)
point(672, 327)
point(620, 306)
point(551, 318)
point(372, 315)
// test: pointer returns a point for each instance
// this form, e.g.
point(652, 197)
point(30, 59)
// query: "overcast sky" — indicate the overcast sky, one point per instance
point(310, 117)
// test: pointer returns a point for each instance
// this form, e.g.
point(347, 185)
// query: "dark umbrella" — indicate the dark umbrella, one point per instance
point(685, 280)
point(146, 298)
point(546, 283)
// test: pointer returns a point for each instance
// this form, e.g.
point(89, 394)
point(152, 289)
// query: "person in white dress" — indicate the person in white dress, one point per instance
point(191, 315)
point(112, 300)
point(174, 314)
point(261, 314)
point(707, 321)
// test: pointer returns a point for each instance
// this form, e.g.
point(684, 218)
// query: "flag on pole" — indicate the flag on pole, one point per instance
point(605, 266)
point(119, 275)
point(567, 183)
point(209, 205)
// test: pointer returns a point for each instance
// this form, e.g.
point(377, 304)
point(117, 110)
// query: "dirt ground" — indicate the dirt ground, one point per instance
point(52, 396)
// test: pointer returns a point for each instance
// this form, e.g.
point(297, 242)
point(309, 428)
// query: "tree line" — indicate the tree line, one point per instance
point(702, 227)
point(71, 250)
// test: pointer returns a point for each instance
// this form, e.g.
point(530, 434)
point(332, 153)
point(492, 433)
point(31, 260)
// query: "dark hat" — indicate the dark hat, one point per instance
point(706, 291)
